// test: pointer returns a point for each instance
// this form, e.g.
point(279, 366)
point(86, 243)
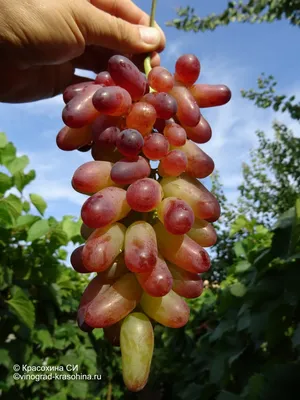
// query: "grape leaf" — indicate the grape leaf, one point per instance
point(18, 164)
point(7, 154)
point(5, 182)
point(6, 215)
point(37, 230)
point(22, 307)
point(26, 220)
point(3, 140)
point(38, 202)
point(238, 289)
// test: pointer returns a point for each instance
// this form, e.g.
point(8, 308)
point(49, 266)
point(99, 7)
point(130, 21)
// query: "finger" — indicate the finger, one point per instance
point(127, 10)
point(102, 29)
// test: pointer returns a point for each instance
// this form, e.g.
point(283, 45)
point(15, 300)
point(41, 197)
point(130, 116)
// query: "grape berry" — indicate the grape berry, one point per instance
point(145, 228)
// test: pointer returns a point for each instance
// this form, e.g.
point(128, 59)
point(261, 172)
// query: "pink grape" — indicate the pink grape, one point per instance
point(176, 215)
point(210, 95)
point(140, 247)
point(160, 79)
point(141, 117)
point(92, 176)
point(104, 145)
point(80, 110)
point(181, 250)
point(105, 207)
point(105, 153)
point(130, 142)
point(144, 195)
point(175, 134)
point(104, 78)
point(69, 139)
point(173, 164)
point(127, 75)
point(127, 171)
point(187, 69)
point(200, 133)
point(156, 146)
point(76, 261)
point(112, 100)
point(105, 305)
point(185, 283)
point(102, 122)
point(165, 105)
point(102, 247)
point(203, 203)
point(170, 310)
point(188, 111)
point(199, 164)
point(72, 90)
point(203, 233)
point(157, 282)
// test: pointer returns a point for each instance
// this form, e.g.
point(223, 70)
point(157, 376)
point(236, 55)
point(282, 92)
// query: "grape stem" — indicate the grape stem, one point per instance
point(147, 62)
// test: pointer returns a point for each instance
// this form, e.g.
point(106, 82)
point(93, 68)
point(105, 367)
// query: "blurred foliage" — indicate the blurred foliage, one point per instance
point(265, 96)
point(253, 11)
point(39, 296)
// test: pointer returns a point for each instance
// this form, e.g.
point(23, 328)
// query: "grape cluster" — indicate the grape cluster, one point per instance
point(145, 227)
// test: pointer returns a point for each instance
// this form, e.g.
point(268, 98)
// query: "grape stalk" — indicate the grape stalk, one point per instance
point(145, 228)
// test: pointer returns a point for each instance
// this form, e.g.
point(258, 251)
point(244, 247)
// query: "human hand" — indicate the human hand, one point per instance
point(43, 41)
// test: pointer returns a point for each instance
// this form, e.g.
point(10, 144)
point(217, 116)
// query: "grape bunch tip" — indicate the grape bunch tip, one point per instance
point(145, 228)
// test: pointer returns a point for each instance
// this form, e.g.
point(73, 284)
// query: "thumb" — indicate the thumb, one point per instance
point(102, 29)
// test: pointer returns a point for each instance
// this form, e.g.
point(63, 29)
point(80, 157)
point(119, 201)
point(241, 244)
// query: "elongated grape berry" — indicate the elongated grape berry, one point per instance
point(144, 195)
point(130, 142)
point(127, 75)
point(187, 69)
point(156, 146)
point(160, 79)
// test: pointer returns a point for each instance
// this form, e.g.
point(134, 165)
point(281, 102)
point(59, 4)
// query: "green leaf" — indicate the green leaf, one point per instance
point(38, 202)
point(18, 164)
point(26, 220)
point(60, 236)
point(22, 307)
point(7, 154)
point(21, 179)
point(3, 140)
point(5, 183)
point(45, 339)
point(26, 206)
point(238, 289)
point(242, 266)
point(58, 396)
point(70, 227)
point(79, 389)
point(5, 359)
point(37, 230)
point(15, 204)
point(6, 215)
point(239, 224)
point(239, 249)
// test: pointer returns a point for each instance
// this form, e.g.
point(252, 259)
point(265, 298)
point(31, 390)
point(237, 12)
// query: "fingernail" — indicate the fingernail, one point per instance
point(149, 35)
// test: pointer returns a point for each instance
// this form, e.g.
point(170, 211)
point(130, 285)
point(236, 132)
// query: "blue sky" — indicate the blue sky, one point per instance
point(233, 55)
